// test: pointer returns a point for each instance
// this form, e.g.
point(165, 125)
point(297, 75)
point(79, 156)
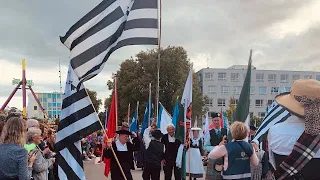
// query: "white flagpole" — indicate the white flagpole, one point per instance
point(158, 63)
point(149, 104)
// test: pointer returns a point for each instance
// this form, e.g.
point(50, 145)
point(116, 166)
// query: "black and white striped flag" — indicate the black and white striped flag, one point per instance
point(109, 26)
point(276, 114)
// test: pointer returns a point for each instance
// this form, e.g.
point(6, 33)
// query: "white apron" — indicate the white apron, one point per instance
point(196, 166)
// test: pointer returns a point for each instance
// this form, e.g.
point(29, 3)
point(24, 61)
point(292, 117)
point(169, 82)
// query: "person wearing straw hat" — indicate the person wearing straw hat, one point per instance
point(294, 144)
point(123, 149)
point(196, 169)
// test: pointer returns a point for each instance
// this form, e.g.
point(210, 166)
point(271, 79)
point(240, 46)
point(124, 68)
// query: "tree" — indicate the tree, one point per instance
point(135, 75)
point(232, 108)
point(255, 121)
point(94, 99)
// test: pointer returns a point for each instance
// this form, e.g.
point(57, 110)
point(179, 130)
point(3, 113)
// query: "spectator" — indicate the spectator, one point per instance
point(32, 123)
point(53, 173)
point(238, 154)
point(41, 165)
point(2, 123)
point(13, 157)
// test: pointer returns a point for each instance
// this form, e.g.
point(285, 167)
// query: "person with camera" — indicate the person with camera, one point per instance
point(41, 165)
point(15, 162)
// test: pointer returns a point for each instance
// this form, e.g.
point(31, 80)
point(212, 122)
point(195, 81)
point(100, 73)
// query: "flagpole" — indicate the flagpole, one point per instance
point(158, 62)
point(105, 133)
point(128, 114)
point(116, 99)
point(149, 104)
point(137, 113)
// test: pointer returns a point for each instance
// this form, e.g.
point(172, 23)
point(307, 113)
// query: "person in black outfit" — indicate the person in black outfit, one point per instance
point(153, 157)
point(124, 149)
point(171, 150)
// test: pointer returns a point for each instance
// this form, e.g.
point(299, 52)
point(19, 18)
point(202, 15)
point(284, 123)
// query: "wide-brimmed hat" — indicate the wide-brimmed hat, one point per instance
point(196, 129)
point(122, 131)
point(310, 88)
point(304, 101)
point(214, 115)
point(157, 134)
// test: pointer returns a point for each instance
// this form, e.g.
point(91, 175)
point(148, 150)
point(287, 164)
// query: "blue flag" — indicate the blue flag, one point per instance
point(145, 118)
point(134, 123)
point(175, 113)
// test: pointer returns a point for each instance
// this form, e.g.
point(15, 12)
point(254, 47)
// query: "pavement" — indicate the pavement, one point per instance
point(95, 172)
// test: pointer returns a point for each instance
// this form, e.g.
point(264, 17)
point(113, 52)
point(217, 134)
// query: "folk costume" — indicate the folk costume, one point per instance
point(124, 154)
point(213, 139)
point(153, 157)
point(294, 144)
point(196, 169)
point(171, 150)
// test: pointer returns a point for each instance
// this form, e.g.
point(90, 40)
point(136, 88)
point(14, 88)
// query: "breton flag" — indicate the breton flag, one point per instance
point(78, 120)
point(109, 26)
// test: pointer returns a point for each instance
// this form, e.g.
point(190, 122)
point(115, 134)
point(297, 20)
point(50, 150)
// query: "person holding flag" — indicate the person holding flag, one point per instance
point(216, 136)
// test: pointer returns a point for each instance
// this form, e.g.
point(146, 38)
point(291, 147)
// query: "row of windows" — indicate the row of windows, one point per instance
point(222, 102)
point(49, 95)
point(260, 77)
point(260, 114)
point(237, 90)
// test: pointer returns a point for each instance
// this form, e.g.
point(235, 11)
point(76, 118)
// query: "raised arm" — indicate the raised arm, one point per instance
point(207, 145)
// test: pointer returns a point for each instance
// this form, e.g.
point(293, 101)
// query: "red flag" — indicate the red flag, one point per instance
point(221, 119)
point(111, 126)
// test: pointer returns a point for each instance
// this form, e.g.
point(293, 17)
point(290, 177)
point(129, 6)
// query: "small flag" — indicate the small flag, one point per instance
point(164, 119)
point(145, 118)
point(134, 123)
point(175, 117)
point(221, 118)
point(225, 120)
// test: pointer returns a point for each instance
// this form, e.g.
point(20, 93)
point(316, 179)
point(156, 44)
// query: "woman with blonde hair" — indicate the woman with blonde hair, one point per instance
point(238, 154)
point(13, 155)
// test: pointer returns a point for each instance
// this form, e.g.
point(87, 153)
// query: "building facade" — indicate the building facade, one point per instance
point(51, 102)
point(219, 85)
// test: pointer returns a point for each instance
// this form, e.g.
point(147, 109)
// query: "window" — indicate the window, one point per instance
point(208, 76)
point(222, 76)
point(308, 76)
point(211, 89)
point(318, 77)
point(237, 90)
point(221, 102)
point(259, 103)
point(261, 114)
point(262, 90)
point(235, 102)
point(224, 89)
point(284, 78)
point(35, 108)
point(209, 102)
point(275, 90)
point(272, 78)
point(270, 102)
point(252, 90)
point(259, 77)
point(295, 77)
point(234, 77)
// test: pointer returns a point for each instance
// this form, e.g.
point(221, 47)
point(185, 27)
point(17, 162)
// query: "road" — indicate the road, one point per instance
point(95, 172)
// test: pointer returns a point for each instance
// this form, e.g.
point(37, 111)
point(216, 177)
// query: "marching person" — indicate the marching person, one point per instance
point(124, 149)
point(171, 145)
point(298, 138)
point(216, 136)
point(238, 154)
point(153, 157)
point(196, 169)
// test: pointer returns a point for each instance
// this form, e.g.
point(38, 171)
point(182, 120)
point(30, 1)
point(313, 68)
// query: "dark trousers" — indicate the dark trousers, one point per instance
point(151, 172)
point(168, 171)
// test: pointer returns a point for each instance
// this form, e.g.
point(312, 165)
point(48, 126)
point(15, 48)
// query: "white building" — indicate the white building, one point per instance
point(222, 84)
point(51, 102)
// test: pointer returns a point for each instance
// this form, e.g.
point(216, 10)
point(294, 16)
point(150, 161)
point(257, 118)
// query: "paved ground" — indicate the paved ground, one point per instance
point(95, 172)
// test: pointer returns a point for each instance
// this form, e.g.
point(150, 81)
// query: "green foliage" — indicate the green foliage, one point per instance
point(135, 75)
point(95, 101)
point(232, 108)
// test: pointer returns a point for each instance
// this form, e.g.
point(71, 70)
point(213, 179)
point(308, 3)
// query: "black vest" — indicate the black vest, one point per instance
point(154, 154)
point(214, 138)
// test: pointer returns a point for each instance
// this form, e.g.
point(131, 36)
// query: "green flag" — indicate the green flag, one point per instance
point(180, 135)
point(242, 110)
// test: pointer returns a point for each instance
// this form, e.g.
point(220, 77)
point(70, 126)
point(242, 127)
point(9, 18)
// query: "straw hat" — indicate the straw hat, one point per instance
point(302, 87)
point(304, 101)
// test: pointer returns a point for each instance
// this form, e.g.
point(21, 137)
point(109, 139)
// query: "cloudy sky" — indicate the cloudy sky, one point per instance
point(284, 34)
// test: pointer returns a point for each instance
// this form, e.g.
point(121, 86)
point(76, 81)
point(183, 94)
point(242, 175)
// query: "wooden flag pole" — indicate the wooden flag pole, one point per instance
point(158, 62)
point(137, 112)
point(128, 114)
point(149, 104)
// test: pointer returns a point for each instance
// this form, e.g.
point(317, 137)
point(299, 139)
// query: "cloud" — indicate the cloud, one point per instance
point(284, 34)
